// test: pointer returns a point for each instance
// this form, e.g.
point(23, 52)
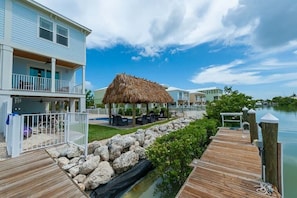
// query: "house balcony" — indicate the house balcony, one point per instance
point(33, 83)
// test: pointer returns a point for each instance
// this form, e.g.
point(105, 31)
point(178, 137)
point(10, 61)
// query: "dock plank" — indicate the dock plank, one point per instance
point(230, 167)
point(35, 174)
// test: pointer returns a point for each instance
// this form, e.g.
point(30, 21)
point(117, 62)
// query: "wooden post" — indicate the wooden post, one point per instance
point(253, 125)
point(244, 115)
point(109, 113)
point(133, 114)
point(269, 125)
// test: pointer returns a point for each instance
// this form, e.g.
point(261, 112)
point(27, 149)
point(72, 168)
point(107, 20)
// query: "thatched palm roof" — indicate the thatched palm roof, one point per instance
point(129, 89)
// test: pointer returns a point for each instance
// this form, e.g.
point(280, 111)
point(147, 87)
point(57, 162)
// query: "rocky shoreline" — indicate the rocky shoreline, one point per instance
point(107, 159)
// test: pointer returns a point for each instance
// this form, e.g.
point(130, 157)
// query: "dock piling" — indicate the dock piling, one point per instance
point(269, 125)
point(253, 125)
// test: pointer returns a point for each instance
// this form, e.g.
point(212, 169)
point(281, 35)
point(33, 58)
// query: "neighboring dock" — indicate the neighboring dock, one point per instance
point(35, 174)
point(230, 167)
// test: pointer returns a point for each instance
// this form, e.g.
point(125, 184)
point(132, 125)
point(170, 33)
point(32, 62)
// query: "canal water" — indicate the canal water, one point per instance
point(287, 136)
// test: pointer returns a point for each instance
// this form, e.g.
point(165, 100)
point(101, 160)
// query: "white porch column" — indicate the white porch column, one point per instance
point(82, 104)
point(72, 105)
point(83, 79)
point(6, 65)
point(53, 74)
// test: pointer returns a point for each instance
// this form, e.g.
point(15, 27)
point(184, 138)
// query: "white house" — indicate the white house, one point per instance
point(181, 97)
point(41, 53)
point(211, 93)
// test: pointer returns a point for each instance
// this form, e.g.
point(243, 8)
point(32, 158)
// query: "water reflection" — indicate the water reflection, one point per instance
point(144, 188)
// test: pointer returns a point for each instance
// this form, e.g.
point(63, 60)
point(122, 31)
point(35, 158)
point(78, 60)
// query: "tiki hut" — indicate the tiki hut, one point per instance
point(129, 89)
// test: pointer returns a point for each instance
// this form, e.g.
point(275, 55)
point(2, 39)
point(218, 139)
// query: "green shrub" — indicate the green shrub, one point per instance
point(128, 112)
point(121, 111)
point(171, 154)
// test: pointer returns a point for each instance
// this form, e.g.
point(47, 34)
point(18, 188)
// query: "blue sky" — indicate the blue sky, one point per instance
point(189, 44)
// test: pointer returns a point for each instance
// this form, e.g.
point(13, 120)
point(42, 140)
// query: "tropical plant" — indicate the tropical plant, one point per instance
point(89, 98)
point(231, 101)
point(171, 154)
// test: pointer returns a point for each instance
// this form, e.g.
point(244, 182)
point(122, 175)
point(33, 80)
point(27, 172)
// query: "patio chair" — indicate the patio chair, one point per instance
point(117, 120)
point(142, 120)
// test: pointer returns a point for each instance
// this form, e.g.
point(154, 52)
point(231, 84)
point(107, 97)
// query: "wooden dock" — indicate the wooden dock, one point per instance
point(35, 174)
point(230, 167)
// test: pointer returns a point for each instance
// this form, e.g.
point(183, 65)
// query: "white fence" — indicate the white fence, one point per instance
point(35, 131)
point(77, 132)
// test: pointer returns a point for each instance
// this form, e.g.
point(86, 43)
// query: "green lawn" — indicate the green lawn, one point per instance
point(99, 132)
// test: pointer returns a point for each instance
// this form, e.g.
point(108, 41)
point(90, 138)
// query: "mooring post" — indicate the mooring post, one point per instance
point(253, 125)
point(244, 114)
point(269, 125)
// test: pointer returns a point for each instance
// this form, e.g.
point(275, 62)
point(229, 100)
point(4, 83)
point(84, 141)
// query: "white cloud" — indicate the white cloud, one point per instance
point(89, 85)
point(152, 26)
point(274, 21)
point(148, 25)
point(240, 73)
point(136, 58)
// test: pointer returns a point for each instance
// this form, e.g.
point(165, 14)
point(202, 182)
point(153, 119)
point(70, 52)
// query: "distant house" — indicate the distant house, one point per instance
point(181, 97)
point(98, 96)
point(40, 54)
point(211, 93)
point(197, 98)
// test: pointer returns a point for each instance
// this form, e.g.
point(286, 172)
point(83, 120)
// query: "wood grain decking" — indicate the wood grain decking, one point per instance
point(35, 174)
point(230, 167)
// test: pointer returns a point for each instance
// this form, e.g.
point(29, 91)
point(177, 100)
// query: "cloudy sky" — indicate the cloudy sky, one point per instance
point(247, 44)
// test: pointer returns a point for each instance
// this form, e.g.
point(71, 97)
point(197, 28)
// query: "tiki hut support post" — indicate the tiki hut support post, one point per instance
point(167, 109)
point(109, 113)
point(147, 108)
point(133, 114)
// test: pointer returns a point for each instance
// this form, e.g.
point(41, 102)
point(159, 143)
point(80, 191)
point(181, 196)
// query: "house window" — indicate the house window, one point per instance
point(49, 73)
point(42, 73)
point(62, 35)
point(45, 29)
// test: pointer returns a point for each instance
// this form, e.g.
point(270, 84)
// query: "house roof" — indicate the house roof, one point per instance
point(129, 89)
point(176, 89)
point(46, 9)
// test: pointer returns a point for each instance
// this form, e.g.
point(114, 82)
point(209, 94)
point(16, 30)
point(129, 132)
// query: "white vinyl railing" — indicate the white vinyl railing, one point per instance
point(42, 130)
point(34, 83)
point(31, 83)
point(29, 132)
point(231, 117)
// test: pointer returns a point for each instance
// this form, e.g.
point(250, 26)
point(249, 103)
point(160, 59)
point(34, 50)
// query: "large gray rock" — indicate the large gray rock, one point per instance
point(101, 175)
point(140, 151)
point(74, 160)
point(114, 151)
point(63, 161)
point(103, 152)
point(127, 141)
point(68, 166)
point(149, 142)
point(140, 138)
point(92, 146)
point(163, 128)
point(74, 170)
point(73, 151)
point(125, 161)
point(89, 165)
point(124, 141)
point(80, 178)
